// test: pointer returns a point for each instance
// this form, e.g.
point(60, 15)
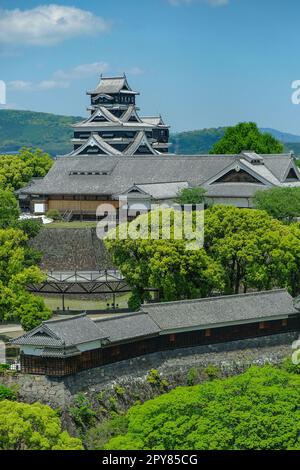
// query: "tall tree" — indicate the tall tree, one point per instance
point(246, 136)
point(281, 203)
point(17, 170)
point(243, 248)
point(9, 209)
point(165, 264)
point(15, 274)
point(192, 196)
point(33, 427)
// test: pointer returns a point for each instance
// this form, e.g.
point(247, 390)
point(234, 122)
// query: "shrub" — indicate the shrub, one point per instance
point(54, 214)
point(120, 391)
point(153, 377)
point(213, 372)
point(192, 376)
point(6, 393)
point(82, 412)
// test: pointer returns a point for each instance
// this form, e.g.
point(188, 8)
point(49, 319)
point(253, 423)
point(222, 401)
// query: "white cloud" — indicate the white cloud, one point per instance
point(46, 25)
point(213, 3)
point(81, 71)
point(21, 85)
point(60, 78)
point(134, 71)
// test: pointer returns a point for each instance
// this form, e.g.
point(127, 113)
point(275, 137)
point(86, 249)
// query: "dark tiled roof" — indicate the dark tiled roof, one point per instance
point(159, 318)
point(221, 310)
point(234, 189)
point(63, 333)
point(123, 327)
point(38, 339)
point(75, 330)
point(124, 172)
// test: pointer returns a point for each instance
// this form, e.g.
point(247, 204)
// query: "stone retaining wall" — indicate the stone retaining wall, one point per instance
point(71, 249)
point(232, 358)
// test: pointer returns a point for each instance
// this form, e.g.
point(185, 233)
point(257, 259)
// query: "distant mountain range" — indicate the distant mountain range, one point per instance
point(52, 133)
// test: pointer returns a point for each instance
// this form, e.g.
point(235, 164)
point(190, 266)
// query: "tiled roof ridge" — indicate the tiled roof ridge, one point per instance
point(71, 317)
point(120, 315)
point(207, 299)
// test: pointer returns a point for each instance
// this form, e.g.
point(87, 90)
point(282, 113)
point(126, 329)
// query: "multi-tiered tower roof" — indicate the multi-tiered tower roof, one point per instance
point(114, 126)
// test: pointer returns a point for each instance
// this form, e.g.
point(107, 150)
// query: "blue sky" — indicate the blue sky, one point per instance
point(200, 63)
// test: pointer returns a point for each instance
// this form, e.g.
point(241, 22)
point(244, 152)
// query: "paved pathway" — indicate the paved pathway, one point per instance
point(10, 328)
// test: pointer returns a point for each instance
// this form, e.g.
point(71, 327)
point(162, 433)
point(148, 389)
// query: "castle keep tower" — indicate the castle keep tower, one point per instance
point(114, 126)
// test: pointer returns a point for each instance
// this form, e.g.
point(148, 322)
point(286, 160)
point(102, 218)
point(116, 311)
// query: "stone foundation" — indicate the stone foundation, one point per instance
point(231, 358)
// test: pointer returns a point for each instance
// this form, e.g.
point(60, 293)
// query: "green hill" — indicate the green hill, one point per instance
point(198, 141)
point(52, 133)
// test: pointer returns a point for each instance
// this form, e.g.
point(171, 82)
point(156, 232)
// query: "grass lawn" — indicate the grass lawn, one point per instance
point(75, 224)
point(79, 304)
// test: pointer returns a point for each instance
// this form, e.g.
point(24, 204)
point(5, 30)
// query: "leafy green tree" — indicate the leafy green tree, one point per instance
point(254, 249)
point(17, 170)
point(165, 264)
point(243, 248)
point(6, 393)
point(191, 196)
point(281, 203)
point(31, 227)
point(246, 136)
point(33, 427)
point(9, 209)
point(16, 303)
point(257, 410)
point(38, 161)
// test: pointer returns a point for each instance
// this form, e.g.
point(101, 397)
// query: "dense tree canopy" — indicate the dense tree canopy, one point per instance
point(246, 136)
point(191, 196)
point(243, 248)
point(17, 170)
point(16, 271)
point(33, 427)
point(9, 209)
point(254, 249)
point(281, 203)
point(258, 410)
point(165, 264)
point(17, 260)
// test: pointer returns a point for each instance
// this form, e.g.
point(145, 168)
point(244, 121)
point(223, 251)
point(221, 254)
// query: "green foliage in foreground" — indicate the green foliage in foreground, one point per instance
point(16, 272)
point(281, 203)
point(243, 249)
point(256, 410)
point(6, 393)
point(17, 170)
point(246, 136)
point(191, 196)
point(33, 427)
point(9, 209)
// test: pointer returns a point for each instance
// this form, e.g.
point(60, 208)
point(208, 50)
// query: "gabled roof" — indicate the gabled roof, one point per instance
point(196, 170)
point(229, 309)
point(159, 318)
point(94, 141)
point(278, 164)
point(154, 120)
point(112, 85)
point(63, 333)
point(163, 190)
point(140, 140)
point(123, 327)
